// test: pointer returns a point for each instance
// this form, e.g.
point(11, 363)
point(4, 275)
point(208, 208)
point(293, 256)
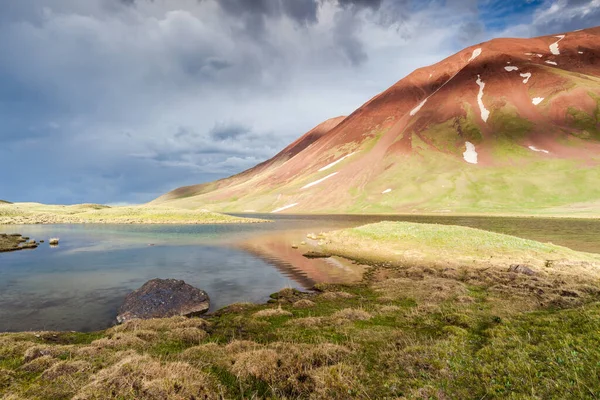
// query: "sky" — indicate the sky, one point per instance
point(120, 101)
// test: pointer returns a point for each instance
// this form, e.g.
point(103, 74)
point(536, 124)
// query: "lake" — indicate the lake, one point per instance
point(80, 284)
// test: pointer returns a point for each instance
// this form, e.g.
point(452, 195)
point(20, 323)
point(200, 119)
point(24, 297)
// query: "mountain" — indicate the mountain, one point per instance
point(506, 126)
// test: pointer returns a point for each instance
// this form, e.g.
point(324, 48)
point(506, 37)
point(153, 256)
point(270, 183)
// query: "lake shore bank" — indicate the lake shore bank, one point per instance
point(459, 328)
point(34, 213)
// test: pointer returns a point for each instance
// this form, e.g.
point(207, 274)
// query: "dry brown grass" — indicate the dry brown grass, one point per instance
point(240, 346)
point(272, 312)
point(121, 341)
point(351, 314)
point(262, 364)
point(307, 322)
point(336, 295)
point(304, 303)
point(39, 364)
point(207, 355)
point(188, 335)
point(161, 324)
point(36, 351)
point(339, 381)
point(430, 289)
point(287, 367)
point(137, 377)
point(6, 378)
point(67, 368)
point(389, 309)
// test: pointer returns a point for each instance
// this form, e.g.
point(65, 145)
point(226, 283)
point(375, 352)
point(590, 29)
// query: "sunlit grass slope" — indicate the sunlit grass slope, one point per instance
point(442, 244)
point(34, 213)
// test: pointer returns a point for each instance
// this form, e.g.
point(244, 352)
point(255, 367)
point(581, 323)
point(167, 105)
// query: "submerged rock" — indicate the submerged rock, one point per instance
point(162, 298)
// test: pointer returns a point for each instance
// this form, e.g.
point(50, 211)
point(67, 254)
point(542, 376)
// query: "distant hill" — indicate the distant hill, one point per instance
point(5, 202)
point(506, 126)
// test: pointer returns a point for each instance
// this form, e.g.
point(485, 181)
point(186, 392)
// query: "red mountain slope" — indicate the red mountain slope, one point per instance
point(510, 125)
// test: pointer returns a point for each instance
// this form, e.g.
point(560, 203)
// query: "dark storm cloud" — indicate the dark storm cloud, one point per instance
point(346, 37)
point(228, 131)
point(256, 12)
point(374, 4)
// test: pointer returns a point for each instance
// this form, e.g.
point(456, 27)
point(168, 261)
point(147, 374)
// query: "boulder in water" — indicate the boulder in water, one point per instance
point(163, 298)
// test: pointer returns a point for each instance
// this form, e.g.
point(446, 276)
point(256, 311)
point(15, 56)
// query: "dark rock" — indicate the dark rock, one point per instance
point(163, 298)
point(522, 269)
point(316, 254)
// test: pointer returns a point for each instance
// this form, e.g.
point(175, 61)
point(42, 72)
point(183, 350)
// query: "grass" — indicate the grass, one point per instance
point(433, 243)
point(586, 123)
point(34, 213)
point(407, 330)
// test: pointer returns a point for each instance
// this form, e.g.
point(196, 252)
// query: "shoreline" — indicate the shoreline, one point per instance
point(433, 214)
point(41, 214)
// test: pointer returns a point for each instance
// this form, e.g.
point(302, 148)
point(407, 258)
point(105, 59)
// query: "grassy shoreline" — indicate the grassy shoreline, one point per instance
point(586, 216)
point(410, 329)
point(34, 213)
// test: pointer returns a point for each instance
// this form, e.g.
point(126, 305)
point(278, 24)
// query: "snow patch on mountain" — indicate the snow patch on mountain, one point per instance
point(417, 108)
point(470, 154)
point(551, 62)
point(485, 113)
point(511, 68)
point(537, 100)
point(386, 191)
point(526, 75)
point(538, 150)
point(284, 208)
point(476, 53)
point(554, 46)
point(317, 181)
point(335, 162)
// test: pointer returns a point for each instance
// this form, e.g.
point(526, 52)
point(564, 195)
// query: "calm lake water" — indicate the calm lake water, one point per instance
point(80, 284)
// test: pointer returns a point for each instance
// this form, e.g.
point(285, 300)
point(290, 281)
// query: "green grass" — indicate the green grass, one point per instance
point(587, 124)
point(31, 213)
point(432, 243)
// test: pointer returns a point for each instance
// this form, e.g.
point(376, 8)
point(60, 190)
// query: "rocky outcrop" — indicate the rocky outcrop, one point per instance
point(162, 298)
point(14, 242)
